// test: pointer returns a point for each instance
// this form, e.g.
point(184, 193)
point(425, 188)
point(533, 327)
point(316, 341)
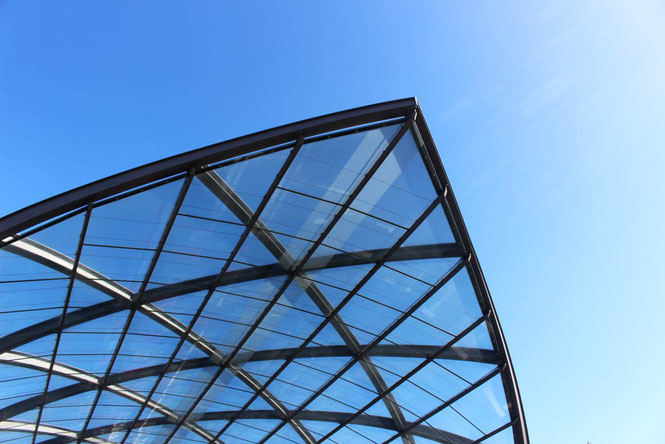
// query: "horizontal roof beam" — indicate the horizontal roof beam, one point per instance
point(76, 317)
point(78, 197)
point(412, 351)
point(382, 422)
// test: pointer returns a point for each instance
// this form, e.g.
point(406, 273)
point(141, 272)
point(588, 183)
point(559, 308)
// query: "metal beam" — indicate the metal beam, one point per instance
point(29, 427)
point(56, 260)
point(165, 169)
point(53, 259)
point(63, 315)
point(380, 422)
point(296, 273)
point(346, 299)
point(87, 381)
point(137, 299)
point(436, 355)
point(78, 197)
point(227, 195)
point(250, 224)
point(450, 206)
point(450, 401)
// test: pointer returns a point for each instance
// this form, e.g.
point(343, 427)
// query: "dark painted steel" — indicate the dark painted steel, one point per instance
point(369, 348)
point(49, 326)
point(495, 432)
point(65, 306)
point(385, 350)
point(437, 355)
point(452, 400)
point(382, 422)
point(136, 302)
point(64, 204)
point(350, 295)
point(136, 177)
point(235, 203)
point(250, 223)
point(396, 414)
point(435, 166)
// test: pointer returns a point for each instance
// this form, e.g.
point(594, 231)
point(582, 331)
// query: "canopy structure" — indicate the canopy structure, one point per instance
point(310, 283)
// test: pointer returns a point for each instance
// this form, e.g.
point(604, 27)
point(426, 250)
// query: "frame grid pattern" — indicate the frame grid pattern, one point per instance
point(295, 256)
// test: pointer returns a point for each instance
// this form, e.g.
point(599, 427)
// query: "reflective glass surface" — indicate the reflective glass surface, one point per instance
point(314, 292)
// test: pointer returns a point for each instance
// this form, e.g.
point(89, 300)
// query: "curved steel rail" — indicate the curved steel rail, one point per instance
point(23, 222)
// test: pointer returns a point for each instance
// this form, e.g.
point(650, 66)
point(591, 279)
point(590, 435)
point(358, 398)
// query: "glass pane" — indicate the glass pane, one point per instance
point(445, 314)
point(245, 181)
point(90, 345)
point(249, 430)
point(330, 169)
point(182, 307)
point(84, 295)
point(30, 292)
point(503, 437)
point(347, 394)
point(123, 234)
point(349, 434)
point(288, 323)
point(70, 412)
point(111, 409)
point(357, 232)
point(342, 277)
point(294, 218)
point(260, 370)
point(178, 391)
point(18, 383)
point(146, 343)
point(319, 429)
point(401, 189)
point(433, 230)
point(485, 408)
point(233, 309)
point(151, 434)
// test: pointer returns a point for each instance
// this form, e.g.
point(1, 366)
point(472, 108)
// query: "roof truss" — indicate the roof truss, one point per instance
point(289, 137)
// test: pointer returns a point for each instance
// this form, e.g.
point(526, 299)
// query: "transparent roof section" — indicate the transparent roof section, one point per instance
point(313, 292)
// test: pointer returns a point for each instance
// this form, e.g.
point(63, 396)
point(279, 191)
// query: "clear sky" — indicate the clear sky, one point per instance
point(549, 116)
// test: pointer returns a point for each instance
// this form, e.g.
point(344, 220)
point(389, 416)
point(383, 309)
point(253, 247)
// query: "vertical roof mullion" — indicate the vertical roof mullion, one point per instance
point(136, 303)
point(439, 178)
point(346, 299)
point(272, 243)
point(340, 212)
point(450, 401)
point(248, 228)
point(61, 324)
point(371, 346)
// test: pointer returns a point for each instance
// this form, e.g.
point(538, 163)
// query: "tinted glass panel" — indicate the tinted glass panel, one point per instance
point(330, 303)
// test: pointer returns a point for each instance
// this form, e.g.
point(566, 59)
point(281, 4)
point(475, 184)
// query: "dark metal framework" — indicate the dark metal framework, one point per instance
point(263, 414)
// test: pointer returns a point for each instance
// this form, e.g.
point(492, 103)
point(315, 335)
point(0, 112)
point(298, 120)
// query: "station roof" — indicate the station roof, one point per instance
point(314, 282)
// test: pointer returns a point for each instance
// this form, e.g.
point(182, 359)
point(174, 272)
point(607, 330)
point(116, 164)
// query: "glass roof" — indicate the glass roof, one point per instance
point(318, 290)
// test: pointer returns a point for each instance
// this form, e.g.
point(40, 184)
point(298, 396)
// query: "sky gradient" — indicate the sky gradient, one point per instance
point(549, 118)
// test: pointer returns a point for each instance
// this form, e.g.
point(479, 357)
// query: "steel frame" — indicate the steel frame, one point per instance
point(87, 381)
point(406, 437)
point(70, 286)
point(249, 225)
point(272, 243)
point(12, 225)
point(419, 430)
point(55, 260)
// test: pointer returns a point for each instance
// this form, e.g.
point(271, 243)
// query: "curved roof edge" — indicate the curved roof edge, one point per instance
point(77, 198)
point(70, 200)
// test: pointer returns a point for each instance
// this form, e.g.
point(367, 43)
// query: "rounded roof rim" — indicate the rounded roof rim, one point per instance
point(77, 197)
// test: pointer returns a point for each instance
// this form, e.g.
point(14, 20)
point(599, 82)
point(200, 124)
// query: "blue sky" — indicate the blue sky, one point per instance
point(549, 117)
